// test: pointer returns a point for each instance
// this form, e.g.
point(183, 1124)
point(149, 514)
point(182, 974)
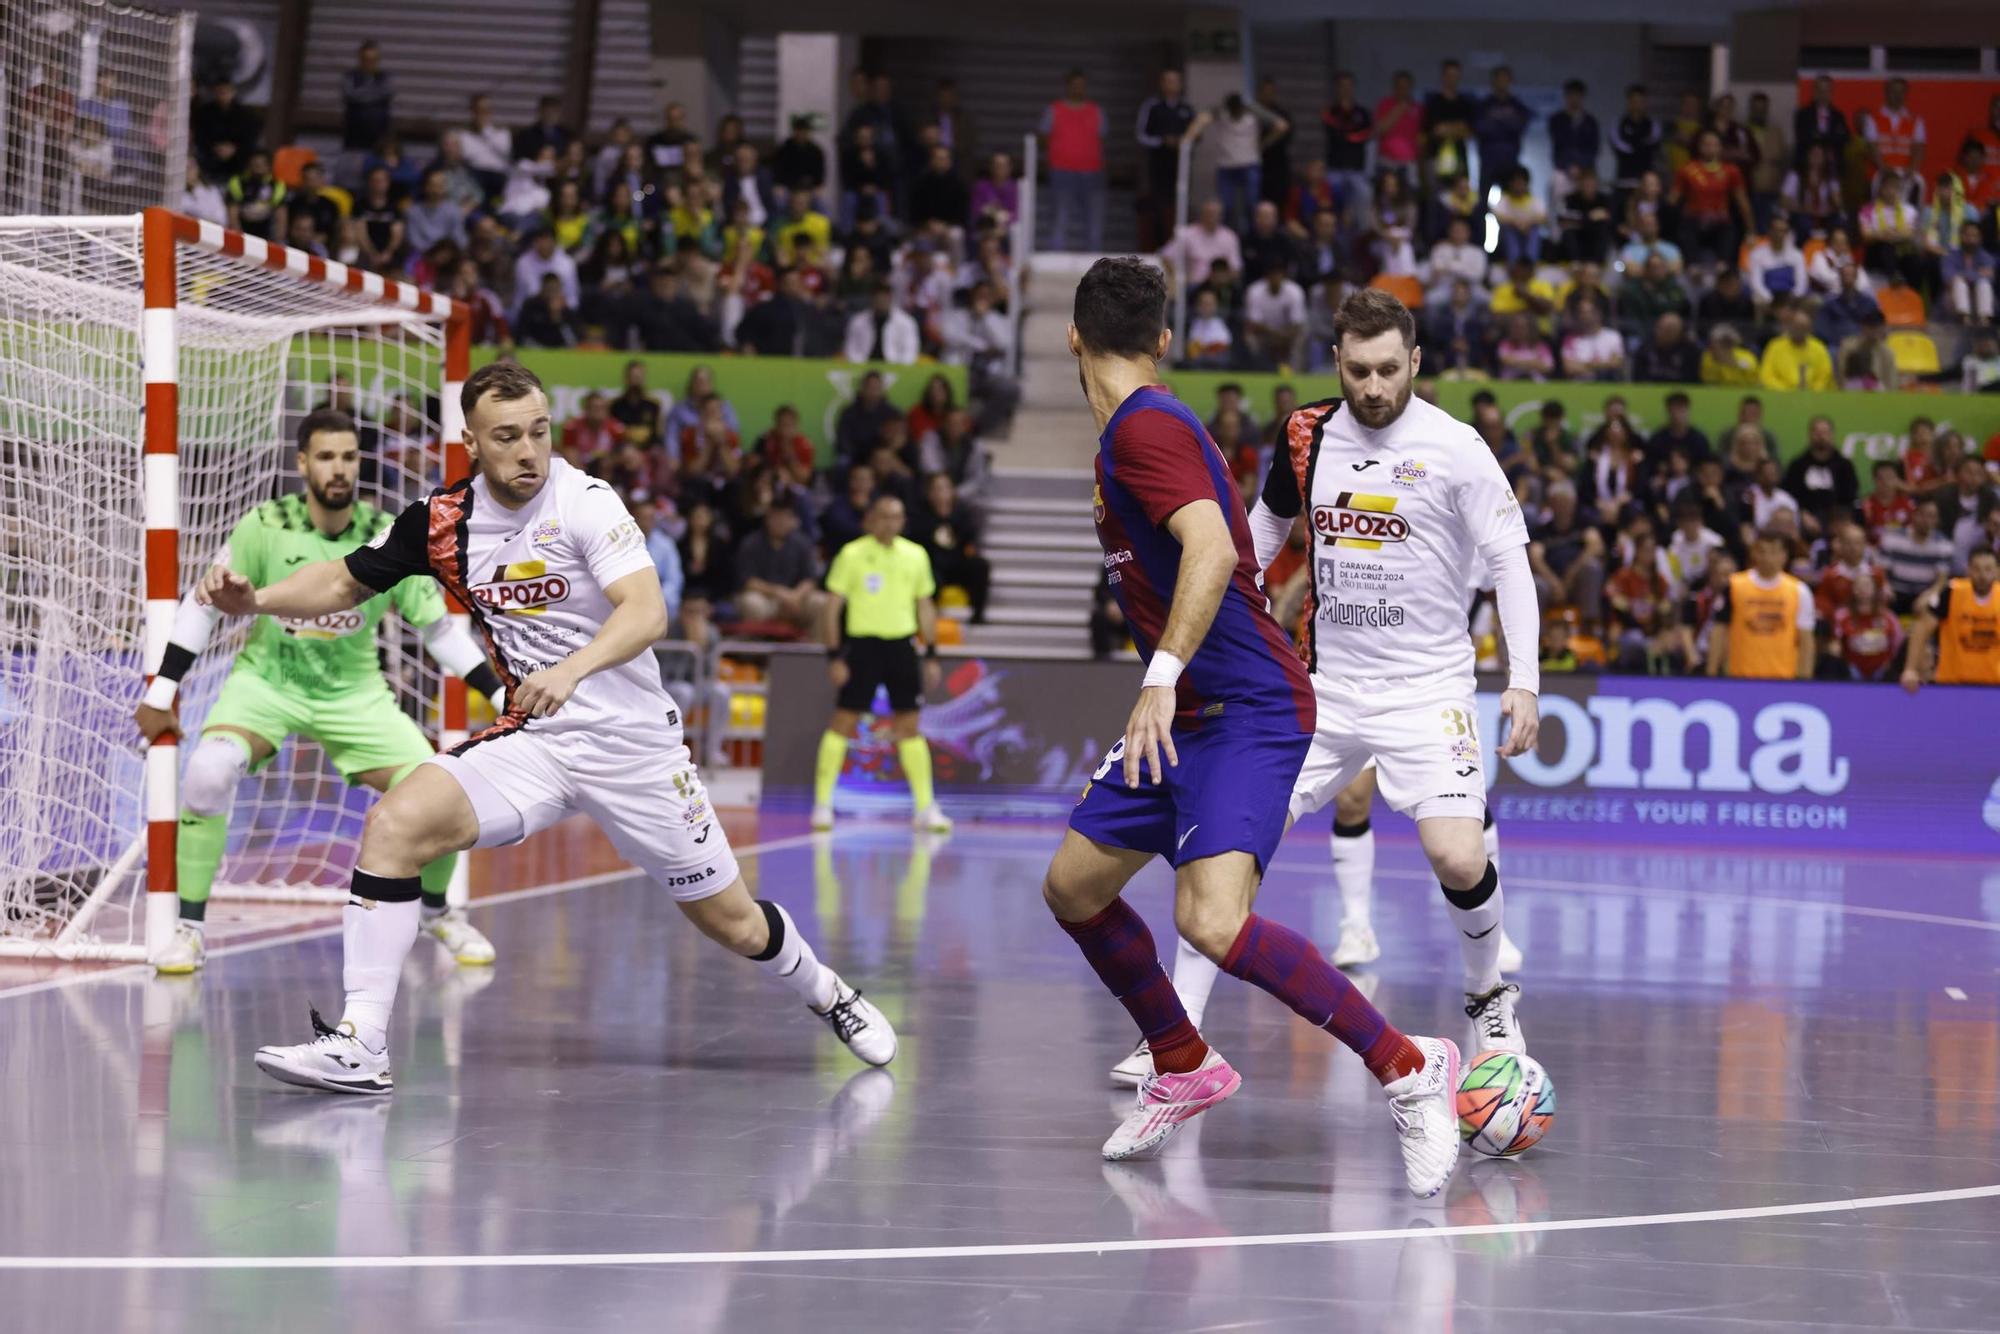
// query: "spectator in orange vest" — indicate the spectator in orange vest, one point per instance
point(1895, 136)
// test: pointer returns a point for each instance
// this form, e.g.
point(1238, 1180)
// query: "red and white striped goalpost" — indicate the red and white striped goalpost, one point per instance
point(163, 232)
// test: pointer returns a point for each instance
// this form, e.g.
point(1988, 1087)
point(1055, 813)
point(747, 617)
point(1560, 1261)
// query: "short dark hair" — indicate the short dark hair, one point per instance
point(505, 380)
point(1575, 86)
point(323, 420)
point(1121, 307)
point(1372, 311)
point(1678, 397)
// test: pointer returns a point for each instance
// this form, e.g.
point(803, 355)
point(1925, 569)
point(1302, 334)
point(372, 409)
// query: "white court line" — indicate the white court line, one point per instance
point(1956, 993)
point(293, 936)
point(993, 1252)
point(1662, 891)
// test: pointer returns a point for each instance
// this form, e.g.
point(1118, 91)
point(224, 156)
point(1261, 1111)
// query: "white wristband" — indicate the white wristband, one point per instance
point(160, 694)
point(1164, 670)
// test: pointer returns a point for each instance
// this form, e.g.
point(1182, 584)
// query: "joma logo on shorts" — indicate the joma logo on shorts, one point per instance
point(1361, 521)
point(675, 881)
point(524, 588)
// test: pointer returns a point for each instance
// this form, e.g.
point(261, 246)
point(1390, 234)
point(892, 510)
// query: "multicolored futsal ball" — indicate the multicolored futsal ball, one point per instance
point(1506, 1103)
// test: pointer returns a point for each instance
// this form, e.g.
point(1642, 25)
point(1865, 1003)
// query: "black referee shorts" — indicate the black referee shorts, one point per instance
point(879, 662)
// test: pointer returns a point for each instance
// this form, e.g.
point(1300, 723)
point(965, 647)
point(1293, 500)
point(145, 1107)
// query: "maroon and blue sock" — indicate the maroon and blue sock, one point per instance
point(1120, 948)
point(1284, 963)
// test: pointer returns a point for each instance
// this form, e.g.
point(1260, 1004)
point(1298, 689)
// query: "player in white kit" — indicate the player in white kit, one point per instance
point(1404, 503)
point(557, 577)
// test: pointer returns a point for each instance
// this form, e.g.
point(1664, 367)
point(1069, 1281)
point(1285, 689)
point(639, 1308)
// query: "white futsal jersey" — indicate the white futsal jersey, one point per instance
point(1403, 521)
point(534, 579)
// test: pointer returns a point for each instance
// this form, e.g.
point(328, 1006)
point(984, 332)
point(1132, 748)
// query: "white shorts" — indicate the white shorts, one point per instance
point(649, 801)
point(1423, 742)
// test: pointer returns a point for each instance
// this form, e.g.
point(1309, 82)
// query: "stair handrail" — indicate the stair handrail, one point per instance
point(1023, 243)
point(1185, 153)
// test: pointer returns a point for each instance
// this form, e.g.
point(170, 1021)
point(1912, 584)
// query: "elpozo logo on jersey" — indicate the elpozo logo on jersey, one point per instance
point(523, 588)
point(333, 625)
point(1409, 472)
point(1362, 522)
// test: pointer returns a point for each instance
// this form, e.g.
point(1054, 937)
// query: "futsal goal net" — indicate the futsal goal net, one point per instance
point(153, 370)
point(93, 106)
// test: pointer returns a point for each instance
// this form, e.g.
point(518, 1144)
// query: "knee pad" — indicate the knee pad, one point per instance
point(218, 764)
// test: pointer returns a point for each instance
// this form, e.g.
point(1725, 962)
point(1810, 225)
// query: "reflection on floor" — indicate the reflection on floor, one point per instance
point(1727, 1031)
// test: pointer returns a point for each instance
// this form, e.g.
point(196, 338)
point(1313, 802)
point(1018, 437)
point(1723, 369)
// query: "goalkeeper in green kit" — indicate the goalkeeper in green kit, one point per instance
point(320, 680)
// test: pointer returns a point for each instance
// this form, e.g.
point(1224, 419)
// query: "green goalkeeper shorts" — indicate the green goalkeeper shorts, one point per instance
point(360, 730)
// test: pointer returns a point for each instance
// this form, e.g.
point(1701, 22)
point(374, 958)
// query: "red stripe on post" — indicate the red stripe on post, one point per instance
point(163, 576)
point(157, 238)
point(163, 405)
point(454, 705)
point(160, 857)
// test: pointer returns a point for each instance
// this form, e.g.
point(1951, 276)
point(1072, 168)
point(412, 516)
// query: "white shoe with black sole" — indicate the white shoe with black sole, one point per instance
point(856, 1022)
point(335, 1061)
point(1495, 1026)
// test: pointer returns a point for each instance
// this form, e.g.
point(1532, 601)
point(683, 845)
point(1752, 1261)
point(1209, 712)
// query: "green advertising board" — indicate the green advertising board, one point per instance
point(755, 386)
point(1870, 426)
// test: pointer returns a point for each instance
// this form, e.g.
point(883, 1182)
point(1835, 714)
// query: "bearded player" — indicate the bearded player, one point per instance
point(1210, 754)
point(316, 677)
point(1407, 504)
point(557, 576)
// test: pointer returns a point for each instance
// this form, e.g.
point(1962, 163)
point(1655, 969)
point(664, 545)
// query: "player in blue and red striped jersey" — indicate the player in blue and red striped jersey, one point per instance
point(1214, 745)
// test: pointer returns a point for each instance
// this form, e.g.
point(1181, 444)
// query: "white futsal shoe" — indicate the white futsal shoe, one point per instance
point(855, 1021)
point(335, 1061)
point(1495, 1026)
point(822, 819)
point(1510, 953)
point(183, 953)
point(931, 820)
point(1357, 946)
point(460, 938)
point(1425, 1105)
point(1135, 1069)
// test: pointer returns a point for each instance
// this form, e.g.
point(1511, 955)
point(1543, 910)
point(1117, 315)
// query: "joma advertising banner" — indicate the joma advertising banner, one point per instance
point(1639, 760)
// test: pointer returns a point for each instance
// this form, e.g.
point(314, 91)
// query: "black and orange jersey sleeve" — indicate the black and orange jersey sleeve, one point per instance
point(398, 551)
point(1281, 487)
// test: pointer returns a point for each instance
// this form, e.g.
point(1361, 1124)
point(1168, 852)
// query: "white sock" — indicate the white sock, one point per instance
point(1492, 834)
point(1194, 978)
point(376, 936)
point(1476, 914)
point(791, 960)
point(1354, 872)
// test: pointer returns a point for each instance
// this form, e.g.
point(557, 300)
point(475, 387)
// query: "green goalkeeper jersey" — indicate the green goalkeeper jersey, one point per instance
point(325, 655)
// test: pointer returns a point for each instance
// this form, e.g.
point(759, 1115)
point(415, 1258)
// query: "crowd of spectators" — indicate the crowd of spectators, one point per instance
point(1715, 249)
point(1634, 533)
point(667, 243)
point(661, 242)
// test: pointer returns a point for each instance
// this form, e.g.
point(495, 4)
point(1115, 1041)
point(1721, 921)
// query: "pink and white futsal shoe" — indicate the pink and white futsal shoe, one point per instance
point(1166, 1102)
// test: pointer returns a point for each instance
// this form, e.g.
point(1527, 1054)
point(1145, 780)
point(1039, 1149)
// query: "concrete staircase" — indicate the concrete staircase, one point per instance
point(1040, 535)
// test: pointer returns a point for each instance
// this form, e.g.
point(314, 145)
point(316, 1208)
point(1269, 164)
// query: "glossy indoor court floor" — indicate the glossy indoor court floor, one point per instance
point(1777, 1086)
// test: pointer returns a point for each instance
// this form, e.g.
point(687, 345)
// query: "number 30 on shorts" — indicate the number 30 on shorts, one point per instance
point(1111, 759)
point(1457, 722)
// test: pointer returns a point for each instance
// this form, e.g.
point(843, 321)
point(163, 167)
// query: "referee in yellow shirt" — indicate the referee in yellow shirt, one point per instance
point(882, 587)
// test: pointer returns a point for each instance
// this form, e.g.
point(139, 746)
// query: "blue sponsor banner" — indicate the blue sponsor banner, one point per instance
point(1784, 764)
point(1623, 759)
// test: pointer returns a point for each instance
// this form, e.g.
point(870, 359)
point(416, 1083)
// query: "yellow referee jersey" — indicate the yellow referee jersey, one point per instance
point(881, 585)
